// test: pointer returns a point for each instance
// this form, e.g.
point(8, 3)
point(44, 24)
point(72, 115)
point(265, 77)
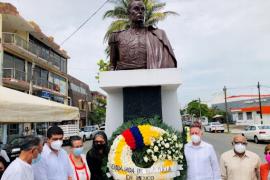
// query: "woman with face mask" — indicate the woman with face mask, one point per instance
point(78, 160)
point(264, 168)
point(96, 155)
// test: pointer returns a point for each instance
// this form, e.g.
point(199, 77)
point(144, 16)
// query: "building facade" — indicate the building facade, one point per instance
point(80, 97)
point(31, 62)
point(245, 109)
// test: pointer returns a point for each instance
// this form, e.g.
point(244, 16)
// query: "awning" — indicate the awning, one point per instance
point(16, 106)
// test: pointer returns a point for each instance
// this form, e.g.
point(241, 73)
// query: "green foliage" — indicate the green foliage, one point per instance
point(195, 107)
point(98, 114)
point(102, 66)
point(138, 155)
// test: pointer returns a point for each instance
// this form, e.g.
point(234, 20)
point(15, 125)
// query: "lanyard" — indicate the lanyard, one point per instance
point(79, 168)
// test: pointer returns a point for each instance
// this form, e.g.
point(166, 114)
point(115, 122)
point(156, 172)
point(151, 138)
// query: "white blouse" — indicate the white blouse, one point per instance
point(80, 173)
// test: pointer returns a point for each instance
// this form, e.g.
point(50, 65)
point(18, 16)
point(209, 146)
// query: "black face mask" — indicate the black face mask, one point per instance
point(99, 146)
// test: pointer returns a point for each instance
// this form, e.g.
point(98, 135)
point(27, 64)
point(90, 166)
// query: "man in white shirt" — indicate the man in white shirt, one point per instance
point(202, 163)
point(54, 163)
point(20, 168)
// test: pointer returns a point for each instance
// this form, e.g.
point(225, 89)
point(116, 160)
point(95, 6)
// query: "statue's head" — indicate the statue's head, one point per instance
point(136, 11)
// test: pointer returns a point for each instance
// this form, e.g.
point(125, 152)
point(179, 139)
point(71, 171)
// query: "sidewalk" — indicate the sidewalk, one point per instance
point(234, 129)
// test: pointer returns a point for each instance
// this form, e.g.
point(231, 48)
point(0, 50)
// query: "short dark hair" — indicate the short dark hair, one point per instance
point(54, 130)
point(196, 124)
point(74, 138)
point(29, 142)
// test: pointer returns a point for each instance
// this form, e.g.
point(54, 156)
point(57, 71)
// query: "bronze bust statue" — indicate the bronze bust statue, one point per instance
point(140, 47)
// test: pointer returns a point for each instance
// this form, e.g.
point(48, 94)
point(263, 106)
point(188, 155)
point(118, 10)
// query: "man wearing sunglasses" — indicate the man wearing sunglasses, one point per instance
point(238, 163)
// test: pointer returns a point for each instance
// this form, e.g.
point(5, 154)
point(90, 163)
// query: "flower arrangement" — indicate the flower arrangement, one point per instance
point(131, 144)
point(167, 146)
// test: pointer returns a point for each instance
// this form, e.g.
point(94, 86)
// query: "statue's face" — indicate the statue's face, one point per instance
point(136, 11)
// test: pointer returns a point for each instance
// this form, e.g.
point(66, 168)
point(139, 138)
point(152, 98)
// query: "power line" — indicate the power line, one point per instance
point(90, 17)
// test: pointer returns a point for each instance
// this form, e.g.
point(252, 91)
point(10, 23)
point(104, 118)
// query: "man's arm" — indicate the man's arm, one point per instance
point(223, 169)
point(214, 164)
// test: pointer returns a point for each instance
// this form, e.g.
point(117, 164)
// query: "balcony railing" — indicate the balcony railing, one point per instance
point(49, 56)
point(14, 74)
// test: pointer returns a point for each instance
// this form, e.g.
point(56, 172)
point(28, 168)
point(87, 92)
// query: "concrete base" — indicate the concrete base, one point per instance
point(113, 83)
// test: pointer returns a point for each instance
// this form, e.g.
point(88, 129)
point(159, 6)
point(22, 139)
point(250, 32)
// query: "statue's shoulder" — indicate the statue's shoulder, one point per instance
point(156, 31)
point(114, 36)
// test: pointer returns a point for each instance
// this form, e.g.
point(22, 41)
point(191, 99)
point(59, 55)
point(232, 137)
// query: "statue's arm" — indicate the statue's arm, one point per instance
point(114, 53)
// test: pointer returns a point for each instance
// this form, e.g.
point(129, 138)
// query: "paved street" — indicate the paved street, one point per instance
point(222, 143)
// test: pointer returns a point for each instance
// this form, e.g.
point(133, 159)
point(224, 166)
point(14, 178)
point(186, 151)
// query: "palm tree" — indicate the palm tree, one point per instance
point(153, 15)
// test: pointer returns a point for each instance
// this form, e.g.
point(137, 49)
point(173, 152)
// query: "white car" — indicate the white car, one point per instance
point(257, 133)
point(214, 127)
point(88, 132)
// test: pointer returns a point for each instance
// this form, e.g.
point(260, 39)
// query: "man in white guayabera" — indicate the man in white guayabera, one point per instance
point(202, 163)
point(54, 163)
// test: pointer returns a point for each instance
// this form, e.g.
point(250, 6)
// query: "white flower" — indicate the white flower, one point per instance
point(154, 158)
point(163, 143)
point(169, 152)
point(145, 159)
point(149, 151)
point(174, 137)
point(156, 149)
point(161, 138)
point(170, 157)
point(167, 145)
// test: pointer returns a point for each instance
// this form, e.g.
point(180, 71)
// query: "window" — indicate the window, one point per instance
point(240, 116)
point(14, 67)
point(249, 115)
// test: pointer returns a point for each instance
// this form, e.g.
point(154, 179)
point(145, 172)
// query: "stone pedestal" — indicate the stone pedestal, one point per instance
point(147, 92)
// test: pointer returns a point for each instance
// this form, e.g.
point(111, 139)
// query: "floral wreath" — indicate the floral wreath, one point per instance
point(164, 150)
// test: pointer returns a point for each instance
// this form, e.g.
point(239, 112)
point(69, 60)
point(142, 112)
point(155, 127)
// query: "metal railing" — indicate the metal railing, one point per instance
point(49, 56)
point(14, 73)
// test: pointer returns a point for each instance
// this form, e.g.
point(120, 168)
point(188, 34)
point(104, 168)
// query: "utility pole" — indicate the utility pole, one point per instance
point(200, 109)
point(260, 102)
point(226, 107)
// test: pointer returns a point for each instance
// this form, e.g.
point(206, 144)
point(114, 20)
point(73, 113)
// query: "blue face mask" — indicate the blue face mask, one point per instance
point(34, 161)
point(77, 151)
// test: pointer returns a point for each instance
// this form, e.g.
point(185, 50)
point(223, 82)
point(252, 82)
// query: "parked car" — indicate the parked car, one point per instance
point(214, 127)
point(87, 132)
point(102, 128)
point(13, 147)
point(257, 133)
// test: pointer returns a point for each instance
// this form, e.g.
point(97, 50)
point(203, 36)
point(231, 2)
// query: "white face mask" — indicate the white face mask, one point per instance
point(56, 145)
point(240, 148)
point(195, 138)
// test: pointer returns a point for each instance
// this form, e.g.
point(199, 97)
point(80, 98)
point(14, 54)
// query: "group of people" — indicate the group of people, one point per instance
point(235, 164)
point(41, 160)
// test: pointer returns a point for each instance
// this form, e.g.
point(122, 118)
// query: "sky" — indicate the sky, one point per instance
point(217, 43)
